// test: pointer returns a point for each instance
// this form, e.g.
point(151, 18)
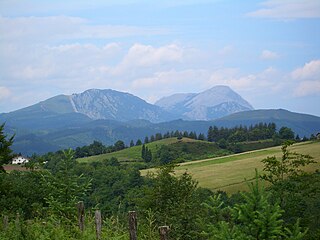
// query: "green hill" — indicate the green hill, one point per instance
point(228, 173)
point(195, 149)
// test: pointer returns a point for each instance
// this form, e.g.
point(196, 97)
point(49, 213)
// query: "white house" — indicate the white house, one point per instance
point(20, 160)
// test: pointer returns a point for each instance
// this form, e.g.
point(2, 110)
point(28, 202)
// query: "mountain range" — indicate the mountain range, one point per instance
point(106, 115)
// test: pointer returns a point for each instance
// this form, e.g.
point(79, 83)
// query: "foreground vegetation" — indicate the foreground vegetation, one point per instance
point(40, 204)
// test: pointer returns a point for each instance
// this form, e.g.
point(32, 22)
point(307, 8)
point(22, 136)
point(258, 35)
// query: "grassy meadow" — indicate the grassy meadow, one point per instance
point(228, 173)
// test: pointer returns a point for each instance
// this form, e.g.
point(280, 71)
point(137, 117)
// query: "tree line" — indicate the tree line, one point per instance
point(223, 136)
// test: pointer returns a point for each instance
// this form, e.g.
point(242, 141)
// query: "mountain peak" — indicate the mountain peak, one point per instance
point(215, 102)
point(112, 104)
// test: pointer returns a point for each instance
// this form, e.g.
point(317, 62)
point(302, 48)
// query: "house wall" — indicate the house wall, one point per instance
point(19, 160)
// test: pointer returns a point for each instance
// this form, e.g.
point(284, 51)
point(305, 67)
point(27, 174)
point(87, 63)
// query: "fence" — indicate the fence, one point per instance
point(132, 218)
point(133, 224)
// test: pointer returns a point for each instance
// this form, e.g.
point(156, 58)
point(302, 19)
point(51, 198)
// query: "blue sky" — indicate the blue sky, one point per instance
point(267, 51)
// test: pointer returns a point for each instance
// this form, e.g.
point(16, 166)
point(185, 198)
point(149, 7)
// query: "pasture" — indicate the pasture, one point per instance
point(228, 173)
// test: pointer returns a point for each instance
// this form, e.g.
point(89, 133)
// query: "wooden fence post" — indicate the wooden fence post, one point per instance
point(133, 225)
point(17, 222)
point(5, 222)
point(164, 230)
point(80, 207)
point(98, 222)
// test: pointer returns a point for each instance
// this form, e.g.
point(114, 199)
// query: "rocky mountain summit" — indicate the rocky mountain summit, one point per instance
point(216, 102)
point(114, 105)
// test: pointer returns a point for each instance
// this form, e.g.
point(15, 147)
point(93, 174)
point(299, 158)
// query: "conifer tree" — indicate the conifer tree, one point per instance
point(143, 152)
point(148, 155)
point(5, 151)
point(138, 143)
point(66, 188)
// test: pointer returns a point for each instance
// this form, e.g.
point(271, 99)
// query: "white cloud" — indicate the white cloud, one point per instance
point(288, 9)
point(310, 71)
point(246, 82)
point(268, 55)
point(147, 59)
point(4, 93)
point(169, 82)
point(146, 55)
point(309, 79)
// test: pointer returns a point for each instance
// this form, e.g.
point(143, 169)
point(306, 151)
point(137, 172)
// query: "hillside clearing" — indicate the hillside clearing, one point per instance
point(229, 173)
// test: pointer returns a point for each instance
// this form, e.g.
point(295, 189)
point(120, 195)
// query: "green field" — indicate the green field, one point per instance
point(134, 153)
point(228, 173)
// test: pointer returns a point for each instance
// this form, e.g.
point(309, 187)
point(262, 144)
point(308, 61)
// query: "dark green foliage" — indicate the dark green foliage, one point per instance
point(254, 217)
point(158, 136)
point(111, 185)
point(95, 148)
point(201, 137)
point(286, 133)
point(165, 155)
point(258, 218)
point(119, 145)
point(146, 154)
point(255, 145)
point(288, 166)
point(138, 143)
point(23, 192)
point(152, 139)
point(143, 151)
point(5, 151)
point(131, 143)
point(259, 131)
point(297, 190)
point(186, 151)
point(65, 187)
point(301, 199)
point(174, 201)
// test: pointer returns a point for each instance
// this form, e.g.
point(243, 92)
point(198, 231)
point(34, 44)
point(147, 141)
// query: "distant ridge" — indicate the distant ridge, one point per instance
point(302, 124)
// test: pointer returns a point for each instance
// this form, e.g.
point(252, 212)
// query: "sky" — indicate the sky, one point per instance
point(268, 51)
